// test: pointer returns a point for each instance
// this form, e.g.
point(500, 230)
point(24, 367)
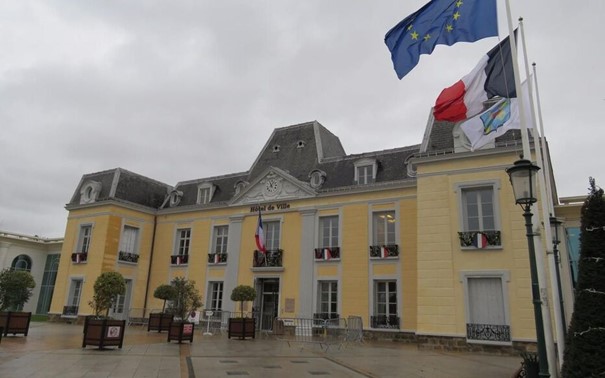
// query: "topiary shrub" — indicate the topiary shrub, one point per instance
point(241, 294)
point(106, 290)
point(15, 289)
point(165, 292)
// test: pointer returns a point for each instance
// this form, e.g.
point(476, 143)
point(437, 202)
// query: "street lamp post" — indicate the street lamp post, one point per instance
point(554, 224)
point(523, 180)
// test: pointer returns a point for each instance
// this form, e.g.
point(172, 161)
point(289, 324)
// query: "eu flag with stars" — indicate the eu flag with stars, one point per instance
point(440, 22)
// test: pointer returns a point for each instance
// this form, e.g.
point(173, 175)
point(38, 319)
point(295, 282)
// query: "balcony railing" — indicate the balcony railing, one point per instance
point(480, 239)
point(326, 315)
point(79, 257)
point(128, 257)
point(70, 310)
point(384, 251)
point(488, 332)
point(272, 258)
point(217, 258)
point(384, 321)
point(327, 253)
point(179, 259)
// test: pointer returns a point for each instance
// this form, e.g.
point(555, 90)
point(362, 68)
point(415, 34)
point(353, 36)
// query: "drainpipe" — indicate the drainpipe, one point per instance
point(155, 224)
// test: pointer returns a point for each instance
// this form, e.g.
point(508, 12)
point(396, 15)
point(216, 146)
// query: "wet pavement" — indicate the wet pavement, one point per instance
point(54, 350)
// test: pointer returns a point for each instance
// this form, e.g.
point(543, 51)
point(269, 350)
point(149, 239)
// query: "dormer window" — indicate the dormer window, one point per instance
point(175, 197)
point(240, 186)
point(365, 171)
point(317, 178)
point(276, 148)
point(205, 192)
point(89, 192)
point(300, 144)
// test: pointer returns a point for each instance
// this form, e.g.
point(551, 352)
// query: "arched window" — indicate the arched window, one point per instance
point(22, 262)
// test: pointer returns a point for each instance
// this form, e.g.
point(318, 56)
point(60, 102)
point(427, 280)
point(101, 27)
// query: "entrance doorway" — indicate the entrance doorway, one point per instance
point(120, 308)
point(267, 303)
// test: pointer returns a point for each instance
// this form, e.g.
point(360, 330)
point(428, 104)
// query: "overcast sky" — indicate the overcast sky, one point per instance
point(179, 90)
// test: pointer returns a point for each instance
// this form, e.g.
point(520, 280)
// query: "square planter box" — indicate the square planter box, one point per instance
point(103, 332)
point(15, 322)
point(242, 327)
point(159, 321)
point(180, 331)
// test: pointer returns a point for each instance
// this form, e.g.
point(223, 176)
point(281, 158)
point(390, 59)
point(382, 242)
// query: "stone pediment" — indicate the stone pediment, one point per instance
point(274, 185)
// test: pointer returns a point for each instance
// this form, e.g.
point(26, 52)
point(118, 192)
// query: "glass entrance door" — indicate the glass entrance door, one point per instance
point(269, 302)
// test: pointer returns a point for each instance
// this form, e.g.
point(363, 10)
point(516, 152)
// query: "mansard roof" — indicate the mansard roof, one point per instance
point(291, 152)
point(122, 185)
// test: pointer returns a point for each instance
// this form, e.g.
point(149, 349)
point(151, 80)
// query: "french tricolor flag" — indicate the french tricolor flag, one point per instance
point(480, 240)
point(384, 252)
point(259, 235)
point(327, 254)
point(217, 258)
point(493, 76)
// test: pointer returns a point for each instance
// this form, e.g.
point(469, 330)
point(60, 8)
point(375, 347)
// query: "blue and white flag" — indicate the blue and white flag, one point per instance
point(497, 120)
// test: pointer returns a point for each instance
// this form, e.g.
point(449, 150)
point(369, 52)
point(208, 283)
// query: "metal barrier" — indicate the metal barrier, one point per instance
point(140, 316)
point(324, 333)
point(354, 330)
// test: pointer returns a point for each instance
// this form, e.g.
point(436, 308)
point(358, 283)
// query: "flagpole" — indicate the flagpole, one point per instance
point(558, 260)
point(544, 335)
point(547, 210)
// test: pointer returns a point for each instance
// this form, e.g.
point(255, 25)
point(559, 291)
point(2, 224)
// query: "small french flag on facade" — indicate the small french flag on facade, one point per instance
point(216, 258)
point(327, 255)
point(480, 240)
point(384, 252)
point(178, 260)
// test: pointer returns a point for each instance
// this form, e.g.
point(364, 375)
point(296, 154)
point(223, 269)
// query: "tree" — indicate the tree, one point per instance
point(186, 299)
point(241, 294)
point(106, 290)
point(15, 289)
point(585, 346)
point(165, 292)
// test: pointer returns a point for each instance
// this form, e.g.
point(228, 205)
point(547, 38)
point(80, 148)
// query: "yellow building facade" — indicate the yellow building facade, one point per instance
point(424, 240)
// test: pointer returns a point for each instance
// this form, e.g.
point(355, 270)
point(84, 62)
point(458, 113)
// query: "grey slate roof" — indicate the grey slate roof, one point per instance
point(297, 150)
point(121, 184)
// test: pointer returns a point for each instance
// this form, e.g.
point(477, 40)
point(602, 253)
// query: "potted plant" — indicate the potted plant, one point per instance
point(161, 321)
point(99, 329)
point(186, 300)
point(242, 327)
point(15, 290)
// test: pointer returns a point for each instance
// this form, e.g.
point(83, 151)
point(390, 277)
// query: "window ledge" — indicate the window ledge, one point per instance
point(487, 342)
point(268, 269)
point(127, 262)
point(490, 248)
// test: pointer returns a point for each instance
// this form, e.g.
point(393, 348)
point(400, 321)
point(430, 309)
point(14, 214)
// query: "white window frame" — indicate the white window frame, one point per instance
point(388, 304)
point(504, 276)
point(178, 247)
point(365, 164)
point(220, 239)
point(461, 188)
point(272, 241)
point(84, 240)
point(73, 297)
point(330, 292)
point(216, 291)
point(126, 243)
point(387, 240)
point(205, 192)
point(333, 229)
